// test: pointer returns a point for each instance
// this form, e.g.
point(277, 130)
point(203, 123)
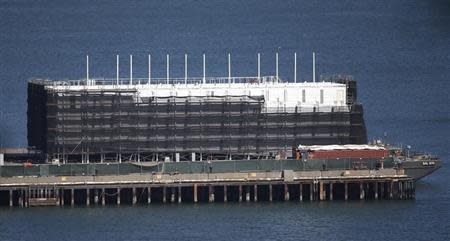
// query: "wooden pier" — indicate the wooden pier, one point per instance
point(136, 189)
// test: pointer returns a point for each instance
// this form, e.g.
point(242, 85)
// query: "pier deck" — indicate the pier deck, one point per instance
point(132, 189)
point(157, 187)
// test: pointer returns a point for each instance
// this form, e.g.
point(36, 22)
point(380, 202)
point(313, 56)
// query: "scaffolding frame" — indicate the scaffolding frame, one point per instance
point(108, 125)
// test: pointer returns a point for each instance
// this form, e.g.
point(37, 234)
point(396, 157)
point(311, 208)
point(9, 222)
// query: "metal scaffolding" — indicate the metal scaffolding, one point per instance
point(119, 125)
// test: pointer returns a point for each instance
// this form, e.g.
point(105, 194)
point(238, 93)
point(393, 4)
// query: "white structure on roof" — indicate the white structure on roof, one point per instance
point(276, 94)
point(340, 147)
point(284, 96)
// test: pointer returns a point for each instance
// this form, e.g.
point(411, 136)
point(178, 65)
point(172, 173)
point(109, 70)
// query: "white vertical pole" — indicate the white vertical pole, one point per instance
point(295, 67)
point(259, 67)
point(117, 69)
point(167, 74)
point(229, 68)
point(131, 69)
point(185, 68)
point(204, 69)
point(87, 69)
point(314, 67)
point(149, 69)
point(276, 65)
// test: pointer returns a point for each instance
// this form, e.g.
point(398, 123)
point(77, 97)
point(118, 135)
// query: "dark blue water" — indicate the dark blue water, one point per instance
point(399, 51)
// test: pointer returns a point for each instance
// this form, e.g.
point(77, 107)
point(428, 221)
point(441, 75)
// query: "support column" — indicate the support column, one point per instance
point(164, 194)
point(179, 194)
point(311, 191)
point(172, 194)
point(96, 196)
point(409, 189)
point(247, 193)
point(376, 190)
point(88, 200)
point(149, 196)
point(361, 191)
point(240, 193)
point(255, 191)
point(391, 186)
point(26, 198)
point(11, 203)
point(346, 191)
point(382, 190)
point(72, 197)
point(406, 190)
point(400, 189)
point(61, 197)
point(195, 193)
point(331, 191)
point(225, 198)
point(270, 193)
point(118, 196)
point(286, 192)
point(211, 193)
point(301, 192)
point(134, 196)
point(21, 198)
point(321, 191)
point(103, 197)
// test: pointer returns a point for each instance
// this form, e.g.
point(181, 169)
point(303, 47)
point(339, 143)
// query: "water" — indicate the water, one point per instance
point(397, 50)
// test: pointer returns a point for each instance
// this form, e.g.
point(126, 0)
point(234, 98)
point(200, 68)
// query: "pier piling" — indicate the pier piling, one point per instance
point(118, 197)
point(88, 200)
point(149, 195)
point(247, 193)
point(270, 193)
point(164, 194)
point(361, 191)
point(301, 192)
point(134, 196)
point(331, 191)
point(376, 190)
point(195, 193)
point(256, 189)
point(211, 193)
point(321, 191)
point(286, 192)
point(11, 198)
point(391, 187)
point(72, 197)
point(103, 197)
point(346, 191)
point(225, 198)
point(61, 197)
point(240, 193)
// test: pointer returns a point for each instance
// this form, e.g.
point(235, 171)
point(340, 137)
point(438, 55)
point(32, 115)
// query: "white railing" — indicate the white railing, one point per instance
point(153, 81)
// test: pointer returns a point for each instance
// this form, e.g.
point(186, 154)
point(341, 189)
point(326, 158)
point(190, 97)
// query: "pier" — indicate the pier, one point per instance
point(151, 188)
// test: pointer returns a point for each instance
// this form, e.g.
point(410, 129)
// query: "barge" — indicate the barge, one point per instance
point(149, 140)
point(189, 119)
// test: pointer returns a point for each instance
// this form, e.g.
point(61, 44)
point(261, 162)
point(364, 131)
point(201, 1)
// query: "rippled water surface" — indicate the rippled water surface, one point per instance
point(398, 51)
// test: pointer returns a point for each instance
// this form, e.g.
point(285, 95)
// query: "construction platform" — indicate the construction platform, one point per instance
point(149, 188)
